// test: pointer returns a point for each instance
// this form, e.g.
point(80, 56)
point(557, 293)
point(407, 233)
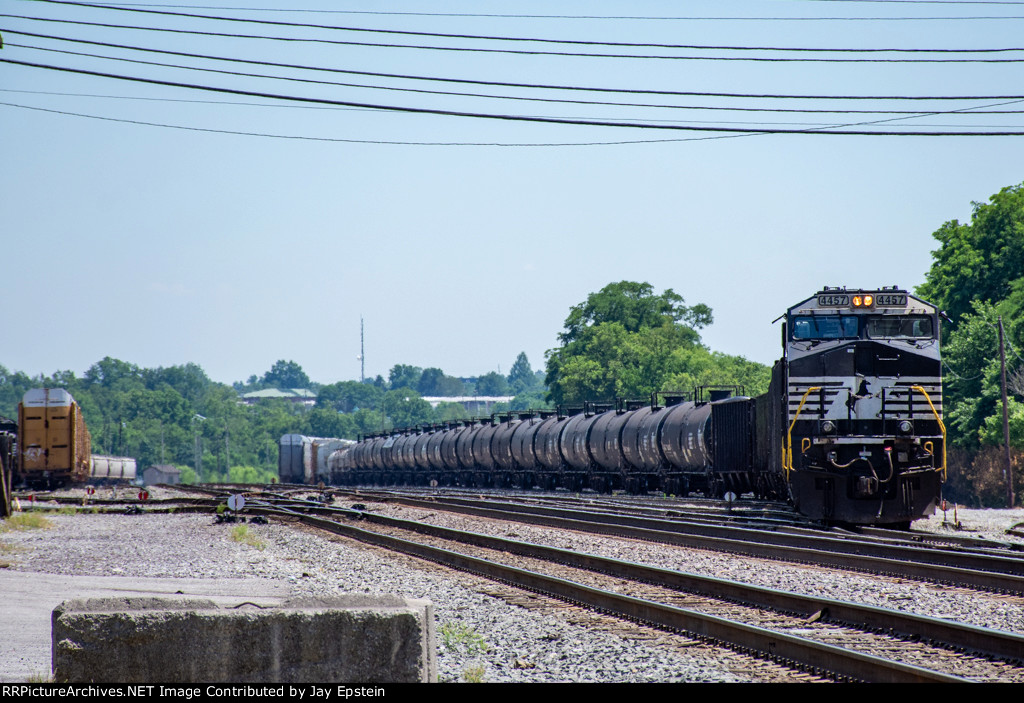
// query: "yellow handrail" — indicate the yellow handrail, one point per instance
point(787, 451)
point(942, 426)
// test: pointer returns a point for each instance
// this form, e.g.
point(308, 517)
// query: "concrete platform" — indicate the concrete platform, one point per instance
point(29, 599)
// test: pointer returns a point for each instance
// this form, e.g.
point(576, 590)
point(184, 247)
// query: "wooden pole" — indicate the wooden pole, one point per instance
point(1006, 417)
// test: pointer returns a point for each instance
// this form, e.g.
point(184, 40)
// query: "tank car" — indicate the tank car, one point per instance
point(111, 469)
point(54, 443)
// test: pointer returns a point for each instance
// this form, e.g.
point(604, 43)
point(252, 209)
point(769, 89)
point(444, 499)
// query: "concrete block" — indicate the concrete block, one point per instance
point(351, 639)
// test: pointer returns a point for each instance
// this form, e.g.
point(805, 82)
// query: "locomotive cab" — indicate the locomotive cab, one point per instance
point(864, 440)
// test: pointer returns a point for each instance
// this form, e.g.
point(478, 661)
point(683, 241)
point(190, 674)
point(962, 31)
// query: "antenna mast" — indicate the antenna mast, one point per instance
point(362, 352)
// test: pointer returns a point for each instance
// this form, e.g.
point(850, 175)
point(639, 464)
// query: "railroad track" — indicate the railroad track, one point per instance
point(766, 626)
point(813, 634)
point(768, 633)
point(971, 568)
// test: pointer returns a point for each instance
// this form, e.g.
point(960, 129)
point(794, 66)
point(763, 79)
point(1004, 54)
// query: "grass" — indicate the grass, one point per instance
point(25, 521)
point(458, 637)
point(474, 673)
point(240, 533)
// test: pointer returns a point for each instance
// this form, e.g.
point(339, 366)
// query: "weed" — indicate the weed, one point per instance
point(240, 533)
point(67, 510)
point(40, 678)
point(25, 521)
point(458, 637)
point(474, 673)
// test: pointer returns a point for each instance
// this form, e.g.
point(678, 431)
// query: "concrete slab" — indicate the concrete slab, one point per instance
point(353, 638)
point(29, 599)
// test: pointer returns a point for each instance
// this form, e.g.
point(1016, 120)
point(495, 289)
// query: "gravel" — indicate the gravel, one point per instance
point(488, 639)
point(481, 636)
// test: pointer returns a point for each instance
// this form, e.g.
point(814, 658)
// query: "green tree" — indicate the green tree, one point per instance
point(434, 382)
point(635, 307)
point(521, 378)
point(627, 342)
point(403, 376)
point(981, 260)
point(491, 384)
point(286, 374)
point(349, 396)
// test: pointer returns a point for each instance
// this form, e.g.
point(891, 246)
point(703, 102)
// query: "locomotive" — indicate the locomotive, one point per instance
point(850, 430)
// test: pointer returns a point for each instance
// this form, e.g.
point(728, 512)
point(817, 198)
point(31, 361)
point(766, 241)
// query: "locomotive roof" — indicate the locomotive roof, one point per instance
point(839, 299)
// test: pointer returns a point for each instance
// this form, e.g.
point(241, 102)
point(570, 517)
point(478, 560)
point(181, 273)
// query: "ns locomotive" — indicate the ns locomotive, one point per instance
point(850, 430)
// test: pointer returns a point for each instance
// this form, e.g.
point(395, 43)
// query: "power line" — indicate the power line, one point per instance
point(534, 52)
point(966, 111)
point(351, 141)
point(506, 84)
point(504, 117)
point(659, 18)
point(475, 95)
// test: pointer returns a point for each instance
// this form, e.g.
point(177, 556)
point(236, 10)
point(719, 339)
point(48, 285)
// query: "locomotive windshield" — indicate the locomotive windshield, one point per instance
point(900, 327)
point(825, 327)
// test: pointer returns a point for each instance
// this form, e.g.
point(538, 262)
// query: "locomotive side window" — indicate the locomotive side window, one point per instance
point(900, 327)
point(825, 327)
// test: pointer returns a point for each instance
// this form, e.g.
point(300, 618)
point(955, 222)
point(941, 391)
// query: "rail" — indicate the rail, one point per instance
point(787, 451)
point(942, 426)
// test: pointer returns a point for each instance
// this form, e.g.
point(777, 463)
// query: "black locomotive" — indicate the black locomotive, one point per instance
point(850, 429)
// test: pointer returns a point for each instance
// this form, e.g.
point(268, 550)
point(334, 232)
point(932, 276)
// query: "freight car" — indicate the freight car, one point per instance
point(849, 431)
point(54, 447)
point(110, 470)
point(303, 459)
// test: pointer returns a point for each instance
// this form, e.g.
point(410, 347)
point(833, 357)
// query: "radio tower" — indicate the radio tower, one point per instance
point(362, 352)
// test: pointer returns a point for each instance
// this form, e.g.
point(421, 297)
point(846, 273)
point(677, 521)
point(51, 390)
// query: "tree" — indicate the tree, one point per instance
point(521, 377)
point(403, 376)
point(491, 384)
point(433, 382)
point(286, 374)
point(634, 306)
point(978, 261)
point(349, 396)
point(625, 342)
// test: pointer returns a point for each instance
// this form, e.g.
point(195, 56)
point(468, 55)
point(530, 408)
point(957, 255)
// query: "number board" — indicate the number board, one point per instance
point(891, 300)
point(834, 300)
point(844, 300)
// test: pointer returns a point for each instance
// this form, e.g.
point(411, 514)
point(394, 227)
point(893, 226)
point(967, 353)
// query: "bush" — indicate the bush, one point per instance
point(977, 479)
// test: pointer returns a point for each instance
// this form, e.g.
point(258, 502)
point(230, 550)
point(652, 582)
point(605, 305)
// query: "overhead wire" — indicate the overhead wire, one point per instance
point(535, 52)
point(503, 117)
point(518, 16)
point(473, 95)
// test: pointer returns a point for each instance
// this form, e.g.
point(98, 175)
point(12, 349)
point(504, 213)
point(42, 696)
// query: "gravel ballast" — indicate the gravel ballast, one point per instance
point(480, 636)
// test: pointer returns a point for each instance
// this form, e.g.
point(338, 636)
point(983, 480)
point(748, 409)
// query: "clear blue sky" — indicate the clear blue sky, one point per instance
point(162, 246)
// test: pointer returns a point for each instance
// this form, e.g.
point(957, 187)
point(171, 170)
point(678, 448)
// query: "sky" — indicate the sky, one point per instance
point(161, 224)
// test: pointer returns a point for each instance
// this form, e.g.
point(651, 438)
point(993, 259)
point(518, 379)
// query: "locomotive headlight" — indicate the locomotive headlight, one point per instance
point(868, 300)
point(906, 426)
point(828, 427)
point(857, 301)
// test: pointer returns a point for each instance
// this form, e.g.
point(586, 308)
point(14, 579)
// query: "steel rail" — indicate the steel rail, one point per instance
point(985, 641)
point(775, 645)
point(941, 566)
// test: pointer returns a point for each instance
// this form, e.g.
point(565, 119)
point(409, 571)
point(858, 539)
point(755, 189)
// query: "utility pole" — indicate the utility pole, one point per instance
point(362, 352)
point(1006, 417)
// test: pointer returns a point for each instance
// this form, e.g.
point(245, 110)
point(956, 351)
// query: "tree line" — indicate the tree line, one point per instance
point(977, 278)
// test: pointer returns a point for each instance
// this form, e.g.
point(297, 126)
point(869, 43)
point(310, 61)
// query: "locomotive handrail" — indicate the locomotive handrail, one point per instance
point(942, 426)
point(787, 451)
